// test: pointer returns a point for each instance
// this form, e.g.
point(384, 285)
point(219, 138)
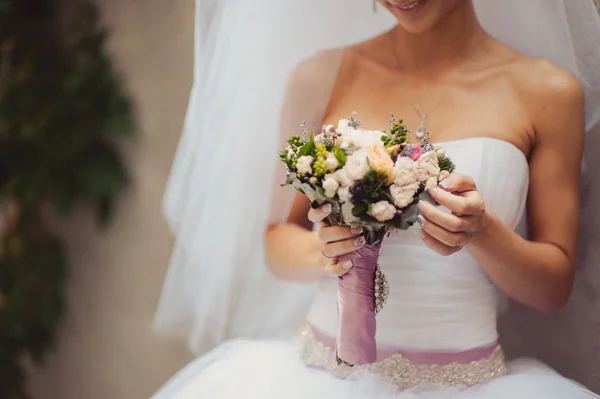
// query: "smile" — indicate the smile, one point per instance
point(412, 6)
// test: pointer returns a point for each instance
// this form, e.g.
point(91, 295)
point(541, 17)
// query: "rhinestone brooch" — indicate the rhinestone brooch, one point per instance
point(382, 290)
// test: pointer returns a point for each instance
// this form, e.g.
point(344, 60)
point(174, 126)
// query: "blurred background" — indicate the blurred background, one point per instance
point(88, 129)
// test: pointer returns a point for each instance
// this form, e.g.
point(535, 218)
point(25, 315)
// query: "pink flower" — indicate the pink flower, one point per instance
point(415, 152)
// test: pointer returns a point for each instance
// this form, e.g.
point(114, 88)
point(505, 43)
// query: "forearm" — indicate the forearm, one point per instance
point(293, 253)
point(536, 274)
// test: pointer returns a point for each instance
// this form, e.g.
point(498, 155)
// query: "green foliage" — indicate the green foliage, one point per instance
point(340, 156)
point(308, 148)
point(371, 189)
point(446, 164)
point(396, 134)
point(61, 112)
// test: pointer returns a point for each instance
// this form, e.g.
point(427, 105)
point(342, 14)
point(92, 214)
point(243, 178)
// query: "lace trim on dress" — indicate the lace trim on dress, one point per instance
point(399, 370)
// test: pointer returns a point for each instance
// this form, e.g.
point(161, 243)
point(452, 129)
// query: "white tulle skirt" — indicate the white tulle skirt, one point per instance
point(274, 370)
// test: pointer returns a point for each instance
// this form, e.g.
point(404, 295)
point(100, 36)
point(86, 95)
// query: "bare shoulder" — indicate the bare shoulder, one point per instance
point(544, 77)
point(323, 64)
point(553, 95)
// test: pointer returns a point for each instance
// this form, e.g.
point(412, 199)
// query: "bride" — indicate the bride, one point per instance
point(508, 87)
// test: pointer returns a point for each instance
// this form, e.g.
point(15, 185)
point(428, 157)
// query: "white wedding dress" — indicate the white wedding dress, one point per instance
point(436, 305)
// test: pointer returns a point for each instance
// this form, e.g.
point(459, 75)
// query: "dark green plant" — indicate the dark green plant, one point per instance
point(61, 112)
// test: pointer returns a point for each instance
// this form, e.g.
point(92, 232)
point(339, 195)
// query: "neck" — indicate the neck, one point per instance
point(442, 47)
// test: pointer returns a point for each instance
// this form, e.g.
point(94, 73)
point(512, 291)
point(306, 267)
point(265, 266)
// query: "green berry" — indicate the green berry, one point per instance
point(321, 151)
point(319, 167)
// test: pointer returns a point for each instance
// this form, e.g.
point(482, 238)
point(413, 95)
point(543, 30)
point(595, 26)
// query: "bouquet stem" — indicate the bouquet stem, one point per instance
point(356, 307)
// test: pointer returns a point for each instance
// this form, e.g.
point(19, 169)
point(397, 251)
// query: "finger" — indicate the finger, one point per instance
point(450, 222)
point(453, 240)
point(460, 204)
point(343, 247)
point(338, 269)
point(337, 233)
point(320, 213)
point(458, 183)
point(437, 246)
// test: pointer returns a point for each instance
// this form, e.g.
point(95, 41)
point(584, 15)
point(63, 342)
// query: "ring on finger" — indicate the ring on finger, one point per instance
point(323, 253)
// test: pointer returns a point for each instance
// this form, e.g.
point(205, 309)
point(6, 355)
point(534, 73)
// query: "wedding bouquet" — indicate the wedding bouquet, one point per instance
point(372, 179)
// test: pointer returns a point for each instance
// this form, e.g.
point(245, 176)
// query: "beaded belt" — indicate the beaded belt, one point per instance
point(401, 371)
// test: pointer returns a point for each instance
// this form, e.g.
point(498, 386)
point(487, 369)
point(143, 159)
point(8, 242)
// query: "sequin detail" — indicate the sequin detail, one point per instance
point(400, 371)
point(382, 290)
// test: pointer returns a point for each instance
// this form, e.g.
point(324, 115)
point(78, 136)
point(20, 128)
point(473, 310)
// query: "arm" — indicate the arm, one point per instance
point(537, 272)
point(540, 272)
point(293, 249)
point(296, 253)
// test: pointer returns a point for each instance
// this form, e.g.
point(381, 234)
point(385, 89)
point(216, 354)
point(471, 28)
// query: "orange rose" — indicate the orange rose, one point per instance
point(381, 161)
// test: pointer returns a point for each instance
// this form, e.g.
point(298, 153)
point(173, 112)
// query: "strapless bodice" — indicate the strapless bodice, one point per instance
point(435, 302)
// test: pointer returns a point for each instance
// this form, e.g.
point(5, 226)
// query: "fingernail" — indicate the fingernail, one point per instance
point(423, 205)
point(347, 265)
point(421, 220)
point(327, 208)
point(359, 241)
point(356, 230)
point(446, 184)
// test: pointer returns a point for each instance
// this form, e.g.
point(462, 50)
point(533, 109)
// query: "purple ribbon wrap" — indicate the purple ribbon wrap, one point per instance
point(356, 307)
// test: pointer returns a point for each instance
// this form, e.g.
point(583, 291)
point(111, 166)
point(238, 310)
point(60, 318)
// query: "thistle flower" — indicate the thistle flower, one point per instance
point(426, 145)
point(412, 151)
point(357, 193)
point(305, 136)
point(354, 122)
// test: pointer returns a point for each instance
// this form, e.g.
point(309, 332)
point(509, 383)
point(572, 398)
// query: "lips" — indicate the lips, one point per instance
point(407, 5)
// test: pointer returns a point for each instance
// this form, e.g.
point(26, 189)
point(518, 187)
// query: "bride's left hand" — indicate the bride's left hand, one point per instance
point(448, 233)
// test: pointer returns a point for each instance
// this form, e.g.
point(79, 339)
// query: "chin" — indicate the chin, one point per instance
point(419, 16)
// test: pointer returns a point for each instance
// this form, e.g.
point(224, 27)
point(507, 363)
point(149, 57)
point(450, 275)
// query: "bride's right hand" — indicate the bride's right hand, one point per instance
point(336, 241)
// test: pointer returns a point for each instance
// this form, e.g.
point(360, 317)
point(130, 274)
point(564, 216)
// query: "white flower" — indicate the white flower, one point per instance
point(330, 185)
point(348, 139)
point(427, 166)
point(342, 177)
point(368, 138)
point(344, 194)
point(431, 183)
point(404, 195)
point(440, 152)
point(430, 158)
point(404, 173)
point(444, 174)
point(329, 129)
point(331, 162)
point(357, 138)
point(357, 165)
point(304, 164)
point(382, 211)
point(319, 138)
point(343, 124)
